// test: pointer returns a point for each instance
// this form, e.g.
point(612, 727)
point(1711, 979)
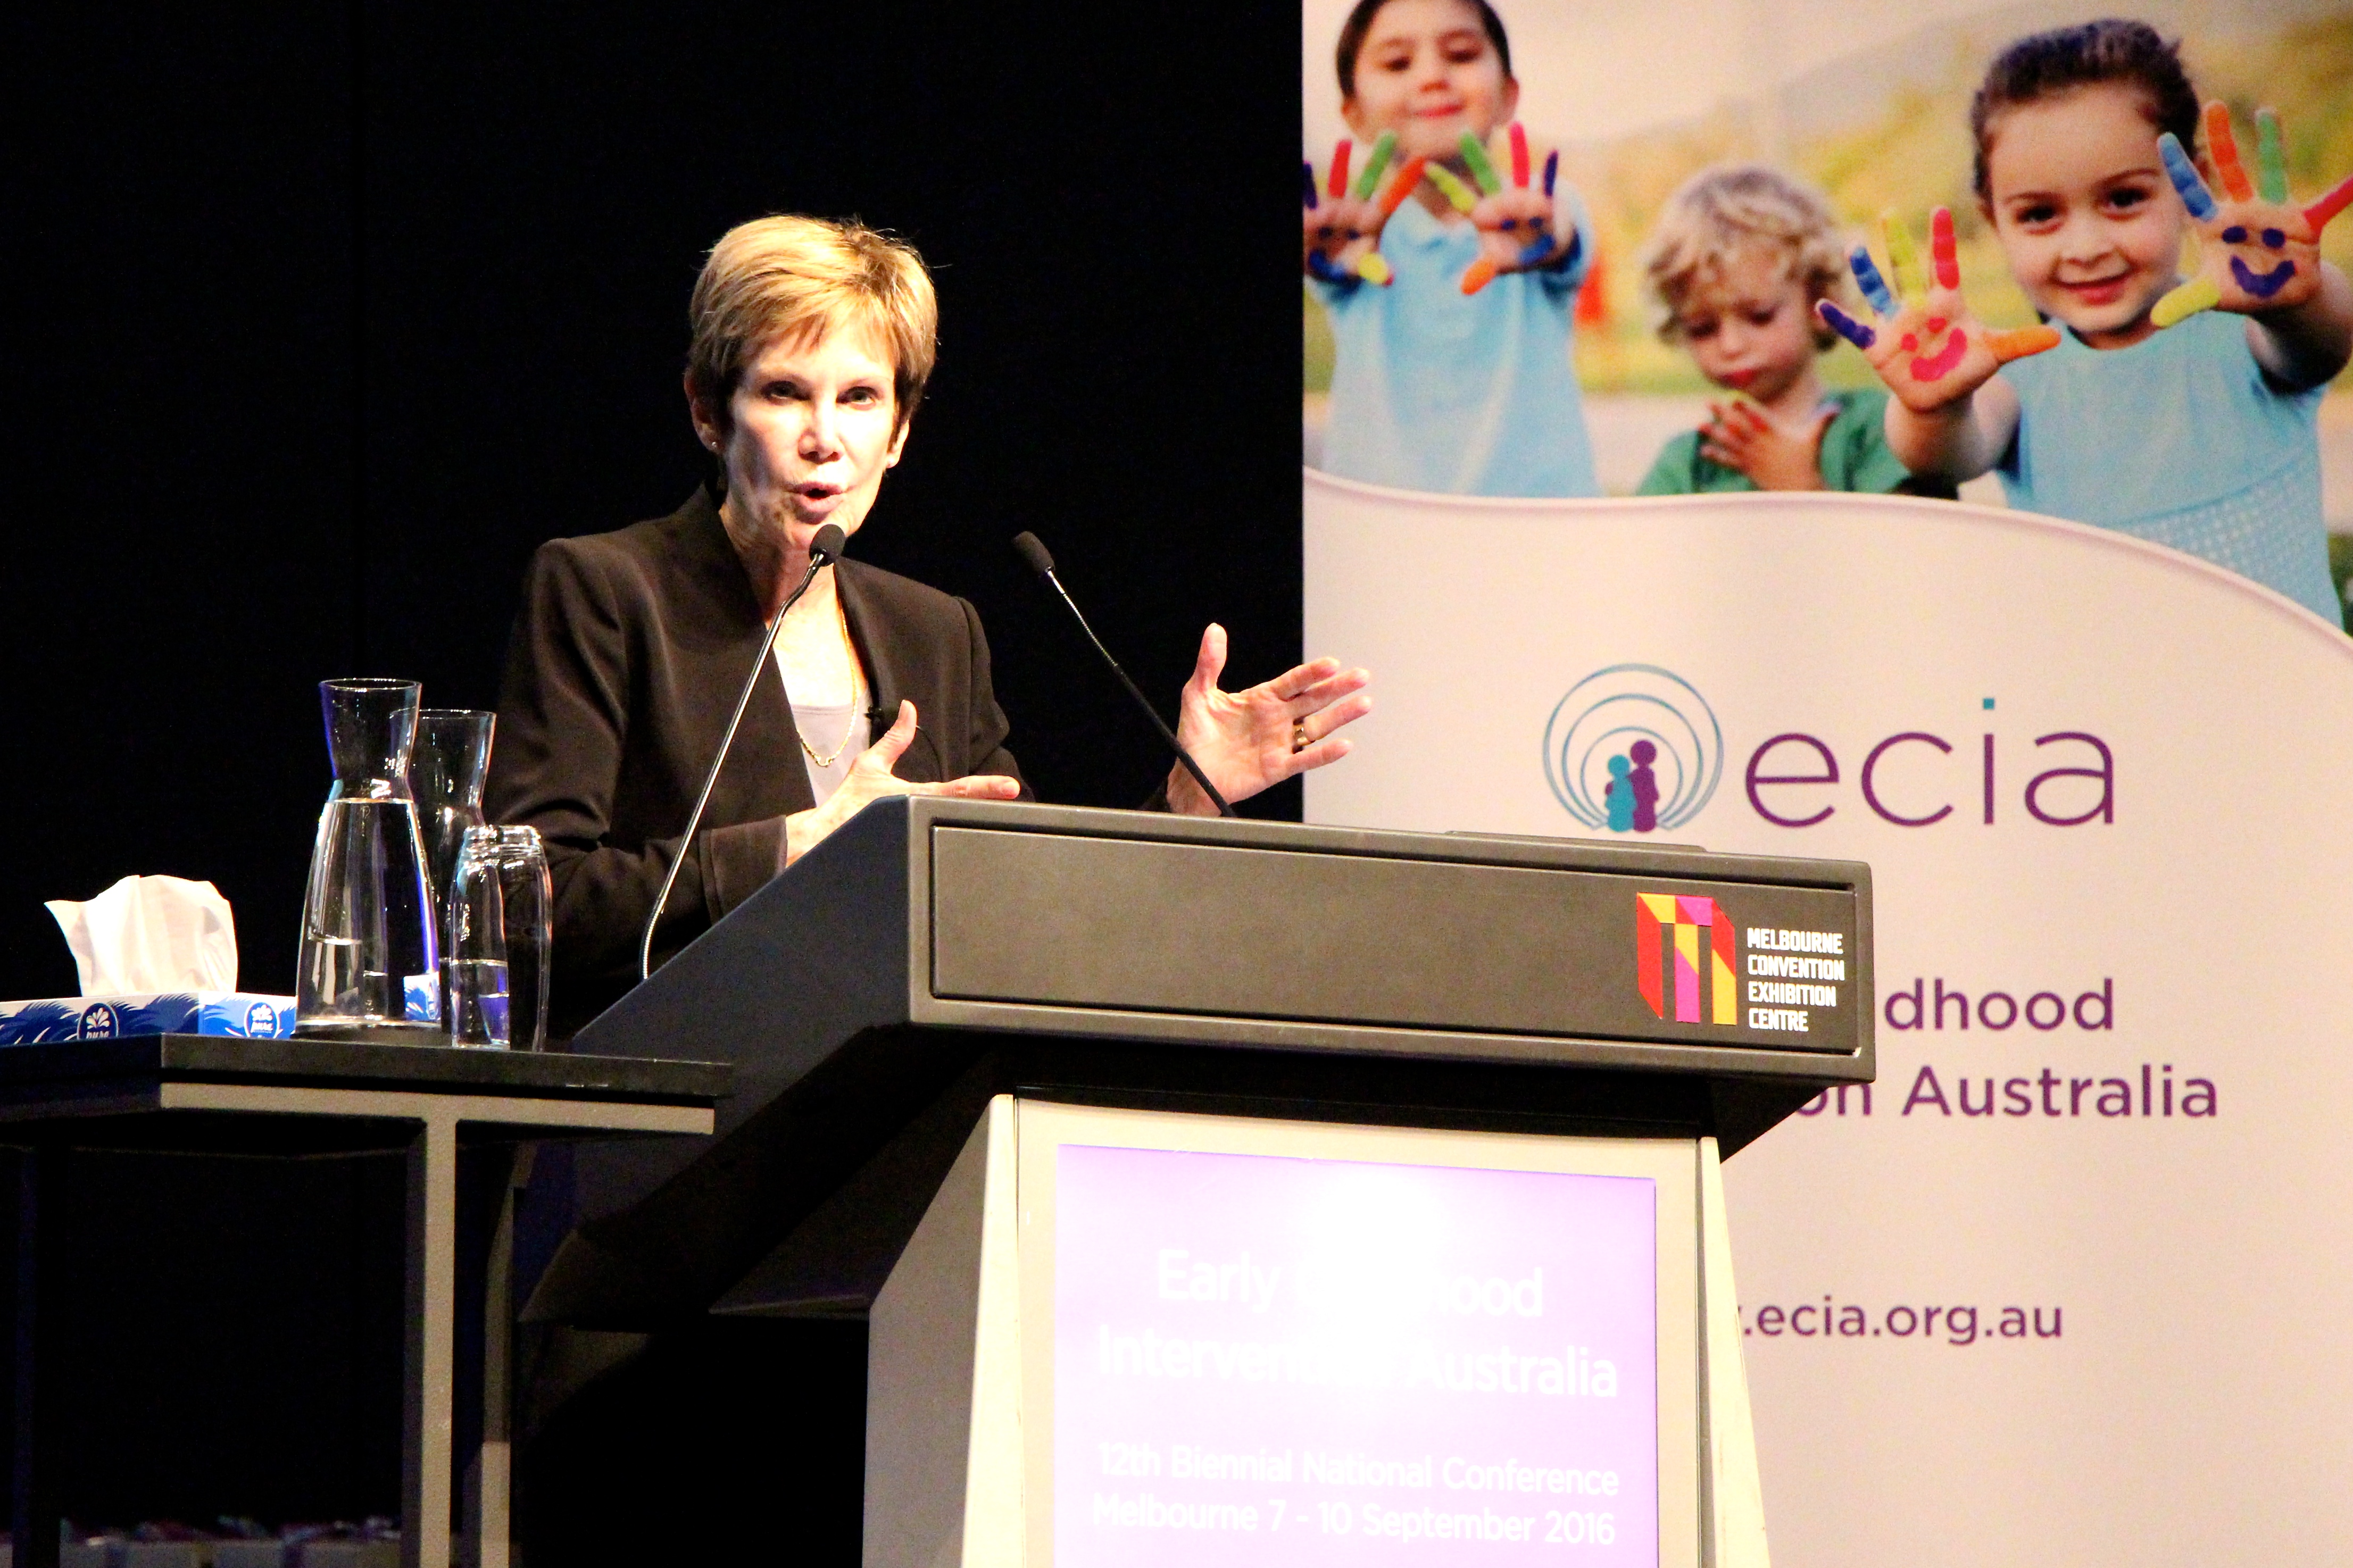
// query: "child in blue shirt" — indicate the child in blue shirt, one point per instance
point(2194, 430)
point(1451, 310)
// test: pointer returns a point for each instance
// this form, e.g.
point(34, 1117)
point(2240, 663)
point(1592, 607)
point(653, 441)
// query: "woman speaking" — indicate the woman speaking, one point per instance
point(812, 342)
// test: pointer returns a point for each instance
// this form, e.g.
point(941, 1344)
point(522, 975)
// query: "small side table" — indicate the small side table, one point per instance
point(221, 1094)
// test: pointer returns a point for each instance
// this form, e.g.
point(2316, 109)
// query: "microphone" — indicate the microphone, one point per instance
point(1032, 550)
point(824, 549)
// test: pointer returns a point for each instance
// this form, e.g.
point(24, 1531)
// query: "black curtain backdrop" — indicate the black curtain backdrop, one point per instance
point(328, 315)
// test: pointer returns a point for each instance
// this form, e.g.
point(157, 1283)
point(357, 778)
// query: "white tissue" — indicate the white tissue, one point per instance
point(147, 935)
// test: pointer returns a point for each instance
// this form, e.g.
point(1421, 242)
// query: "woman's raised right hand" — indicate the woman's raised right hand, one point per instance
point(870, 779)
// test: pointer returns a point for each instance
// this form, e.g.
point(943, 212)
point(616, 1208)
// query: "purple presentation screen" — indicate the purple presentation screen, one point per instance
point(1284, 1360)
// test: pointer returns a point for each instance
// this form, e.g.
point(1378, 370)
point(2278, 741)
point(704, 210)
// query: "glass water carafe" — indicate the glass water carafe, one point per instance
point(446, 771)
point(368, 968)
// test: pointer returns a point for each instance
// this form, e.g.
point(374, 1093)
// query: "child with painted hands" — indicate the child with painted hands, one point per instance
point(1448, 265)
point(1741, 255)
point(2181, 413)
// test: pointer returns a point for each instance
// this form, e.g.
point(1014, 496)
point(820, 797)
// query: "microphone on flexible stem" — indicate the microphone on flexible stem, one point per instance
point(824, 549)
point(1033, 550)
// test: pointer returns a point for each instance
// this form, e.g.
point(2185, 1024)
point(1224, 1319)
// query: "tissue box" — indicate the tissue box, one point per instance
point(175, 1012)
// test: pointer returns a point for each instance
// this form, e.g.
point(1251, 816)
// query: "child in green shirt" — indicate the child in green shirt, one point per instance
point(1739, 259)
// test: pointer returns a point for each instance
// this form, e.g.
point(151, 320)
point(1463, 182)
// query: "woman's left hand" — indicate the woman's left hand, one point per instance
point(1247, 741)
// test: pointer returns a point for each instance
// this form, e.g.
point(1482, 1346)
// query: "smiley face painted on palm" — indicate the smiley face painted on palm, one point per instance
point(2269, 281)
point(2262, 252)
point(1935, 364)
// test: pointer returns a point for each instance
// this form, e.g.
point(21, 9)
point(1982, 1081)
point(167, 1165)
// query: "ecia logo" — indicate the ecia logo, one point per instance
point(1633, 749)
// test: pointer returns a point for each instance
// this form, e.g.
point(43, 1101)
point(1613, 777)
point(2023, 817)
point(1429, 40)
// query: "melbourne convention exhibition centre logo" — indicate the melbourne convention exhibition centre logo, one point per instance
point(1683, 936)
point(1633, 749)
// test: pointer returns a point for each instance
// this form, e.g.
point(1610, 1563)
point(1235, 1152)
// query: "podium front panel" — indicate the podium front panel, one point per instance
point(1304, 1343)
point(1187, 1338)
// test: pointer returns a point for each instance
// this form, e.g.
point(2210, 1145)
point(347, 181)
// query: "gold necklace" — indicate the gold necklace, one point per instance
point(825, 763)
point(842, 620)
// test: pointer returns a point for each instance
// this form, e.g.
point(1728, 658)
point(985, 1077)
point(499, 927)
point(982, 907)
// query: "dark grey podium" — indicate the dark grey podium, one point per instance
point(935, 966)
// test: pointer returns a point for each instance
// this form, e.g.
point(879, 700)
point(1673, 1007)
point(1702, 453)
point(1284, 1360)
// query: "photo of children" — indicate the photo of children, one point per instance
point(1708, 147)
point(1448, 306)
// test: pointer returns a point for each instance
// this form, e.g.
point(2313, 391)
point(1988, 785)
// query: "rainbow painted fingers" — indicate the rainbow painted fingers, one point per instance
point(1518, 227)
point(1341, 229)
point(1926, 346)
point(2259, 252)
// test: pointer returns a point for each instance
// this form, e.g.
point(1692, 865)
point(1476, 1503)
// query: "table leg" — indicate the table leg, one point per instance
point(42, 1176)
point(432, 1344)
point(491, 1504)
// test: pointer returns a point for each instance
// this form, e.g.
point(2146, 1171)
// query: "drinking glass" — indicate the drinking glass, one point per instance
point(368, 958)
point(498, 913)
point(445, 775)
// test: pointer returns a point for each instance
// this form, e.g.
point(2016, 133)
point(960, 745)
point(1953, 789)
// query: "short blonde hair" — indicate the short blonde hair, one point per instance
point(788, 277)
point(1733, 207)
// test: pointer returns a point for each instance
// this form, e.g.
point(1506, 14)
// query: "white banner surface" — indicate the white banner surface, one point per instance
point(2071, 1284)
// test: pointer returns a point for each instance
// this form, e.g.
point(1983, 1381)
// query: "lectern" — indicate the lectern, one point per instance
point(1244, 1191)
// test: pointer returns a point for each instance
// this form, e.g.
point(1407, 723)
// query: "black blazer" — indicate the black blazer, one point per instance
point(624, 665)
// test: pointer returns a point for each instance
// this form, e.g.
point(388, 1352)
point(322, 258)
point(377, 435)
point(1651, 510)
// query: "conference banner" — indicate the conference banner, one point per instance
point(2069, 1283)
point(1865, 104)
point(1635, 345)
